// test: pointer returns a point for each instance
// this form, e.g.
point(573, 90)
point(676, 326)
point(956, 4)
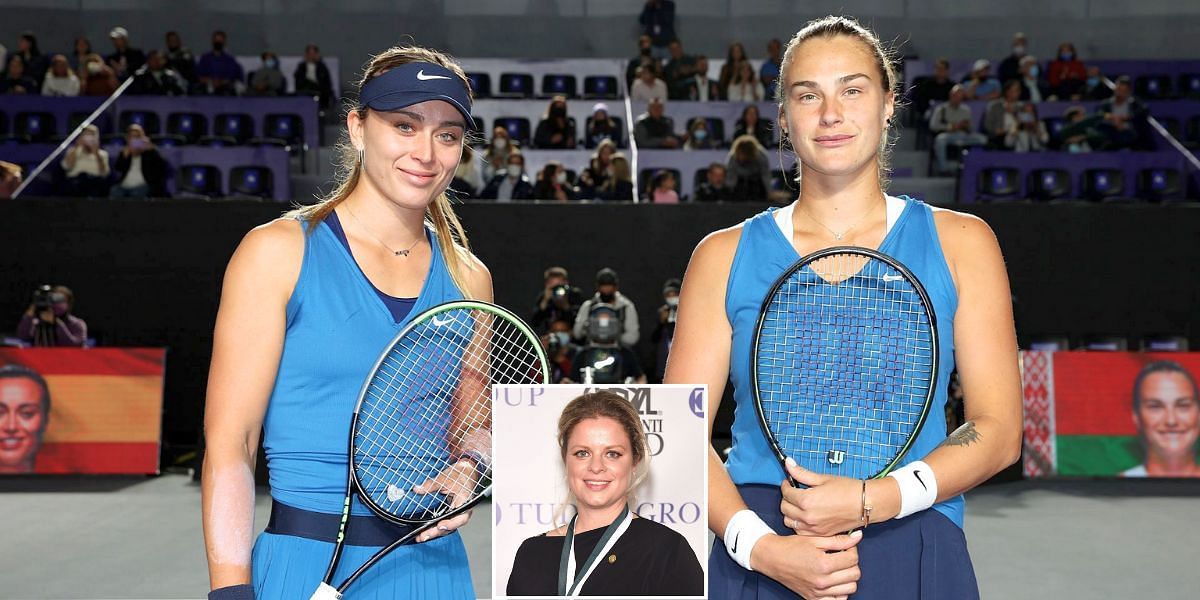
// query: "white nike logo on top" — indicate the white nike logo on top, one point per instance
point(423, 77)
point(893, 277)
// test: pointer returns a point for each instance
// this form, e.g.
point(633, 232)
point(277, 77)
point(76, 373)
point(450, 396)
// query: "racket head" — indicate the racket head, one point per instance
point(427, 405)
point(844, 362)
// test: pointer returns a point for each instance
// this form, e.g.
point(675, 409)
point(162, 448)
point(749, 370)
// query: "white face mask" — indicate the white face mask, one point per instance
point(93, 68)
point(673, 301)
point(500, 143)
point(514, 171)
point(561, 177)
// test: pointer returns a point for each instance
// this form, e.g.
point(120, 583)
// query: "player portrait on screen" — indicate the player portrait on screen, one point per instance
point(609, 549)
point(24, 415)
point(308, 303)
point(837, 96)
point(1167, 415)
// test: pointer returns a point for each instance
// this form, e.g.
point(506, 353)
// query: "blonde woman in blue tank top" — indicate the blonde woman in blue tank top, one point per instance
point(836, 101)
point(309, 301)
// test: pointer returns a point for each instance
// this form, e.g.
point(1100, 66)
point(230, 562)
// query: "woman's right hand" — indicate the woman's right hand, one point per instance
point(816, 568)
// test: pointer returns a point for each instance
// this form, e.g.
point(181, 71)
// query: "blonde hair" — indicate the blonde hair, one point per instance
point(451, 236)
point(885, 60)
point(603, 403)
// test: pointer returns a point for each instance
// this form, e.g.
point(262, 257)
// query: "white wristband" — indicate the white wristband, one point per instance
point(744, 530)
point(918, 487)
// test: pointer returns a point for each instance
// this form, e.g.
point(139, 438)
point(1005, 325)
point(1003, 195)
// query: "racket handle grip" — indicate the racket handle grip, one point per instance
point(326, 592)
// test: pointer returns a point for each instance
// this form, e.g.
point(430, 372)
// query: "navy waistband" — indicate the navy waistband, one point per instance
point(361, 530)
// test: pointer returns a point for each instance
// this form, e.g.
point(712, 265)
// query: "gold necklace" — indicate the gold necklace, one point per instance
point(403, 253)
point(837, 236)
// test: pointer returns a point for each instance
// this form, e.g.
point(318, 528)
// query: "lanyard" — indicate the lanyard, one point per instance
point(567, 584)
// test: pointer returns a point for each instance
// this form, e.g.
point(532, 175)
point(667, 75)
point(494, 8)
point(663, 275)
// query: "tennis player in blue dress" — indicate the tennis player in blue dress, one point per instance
point(309, 302)
point(836, 99)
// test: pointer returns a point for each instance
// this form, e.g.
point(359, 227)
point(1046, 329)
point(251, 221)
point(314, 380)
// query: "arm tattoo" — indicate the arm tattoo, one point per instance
point(963, 436)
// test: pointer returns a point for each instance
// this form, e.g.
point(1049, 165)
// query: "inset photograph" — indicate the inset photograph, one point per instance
point(599, 491)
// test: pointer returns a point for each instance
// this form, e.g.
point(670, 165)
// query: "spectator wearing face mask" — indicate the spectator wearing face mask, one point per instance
point(698, 136)
point(86, 166)
point(141, 170)
point(1066, 74)
point(48, 320)
point(552, 184)
point(267, 80)
point(1030, 133)
point(664, 331)
point(218, 71)
point(99, 79)
point(158, 79)
point(60, 79)
point(1010, 67)
point(495, 157)
point(601, 128)
point(979, 83)
point(125, 59)
point(607, 293)
point(555, 129)
point(179, 58)
point(558, 301)
point(511, 183)
point(1033, 86)
point(1079, 134)
point(1094, 87)
point(560, 351)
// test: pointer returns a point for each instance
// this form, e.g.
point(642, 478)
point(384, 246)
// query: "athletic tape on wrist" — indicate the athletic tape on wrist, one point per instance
point(918, 487)
point(744, 530)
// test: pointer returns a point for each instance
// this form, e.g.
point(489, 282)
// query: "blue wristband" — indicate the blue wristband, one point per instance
point(243, 591)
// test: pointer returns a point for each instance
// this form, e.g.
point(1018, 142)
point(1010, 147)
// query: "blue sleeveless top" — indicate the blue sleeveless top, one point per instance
point(337, 326)
point(763, 254)
point(399, 307)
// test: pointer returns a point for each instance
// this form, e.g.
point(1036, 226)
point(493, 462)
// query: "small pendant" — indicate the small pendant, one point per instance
point(401, 252)
point(838, 236)
point(612, 558)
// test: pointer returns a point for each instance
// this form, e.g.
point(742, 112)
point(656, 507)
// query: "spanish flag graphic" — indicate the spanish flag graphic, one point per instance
point(105, 408)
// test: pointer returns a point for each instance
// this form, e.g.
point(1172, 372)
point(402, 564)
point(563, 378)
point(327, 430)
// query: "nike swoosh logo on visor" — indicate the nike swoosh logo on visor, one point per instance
point(423, 77)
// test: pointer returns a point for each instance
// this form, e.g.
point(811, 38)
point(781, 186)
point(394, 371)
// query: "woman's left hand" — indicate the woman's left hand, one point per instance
point(830, 505)
point(460, 476)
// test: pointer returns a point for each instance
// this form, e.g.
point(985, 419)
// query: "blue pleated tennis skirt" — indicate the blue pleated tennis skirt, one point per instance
point(920, 557)
point(291, 567)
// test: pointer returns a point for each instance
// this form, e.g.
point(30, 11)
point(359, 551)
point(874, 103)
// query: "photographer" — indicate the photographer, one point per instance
point(560, 350)
point(559, 301)
point(609, 361)
point(48, 320)
point(665, 331)
point(607, 294)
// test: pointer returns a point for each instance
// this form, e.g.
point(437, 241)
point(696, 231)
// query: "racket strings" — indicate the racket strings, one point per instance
point(428, 406)
point(844, 362)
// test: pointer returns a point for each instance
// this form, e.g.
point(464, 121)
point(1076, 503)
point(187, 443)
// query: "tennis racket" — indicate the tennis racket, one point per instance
point(844, 363)
point(424, 418)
